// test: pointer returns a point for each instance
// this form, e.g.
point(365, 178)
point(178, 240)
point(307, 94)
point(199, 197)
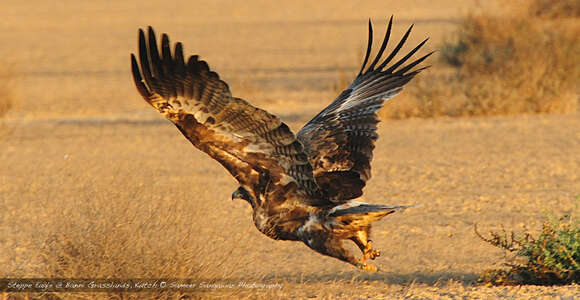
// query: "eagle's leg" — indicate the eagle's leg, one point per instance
point(361, 239)
point(335, 249)
point(332, 246)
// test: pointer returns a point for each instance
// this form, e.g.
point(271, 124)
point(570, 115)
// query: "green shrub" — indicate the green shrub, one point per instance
point(551, 258)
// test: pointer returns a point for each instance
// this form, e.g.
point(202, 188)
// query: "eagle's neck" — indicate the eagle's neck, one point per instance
point(281, 222)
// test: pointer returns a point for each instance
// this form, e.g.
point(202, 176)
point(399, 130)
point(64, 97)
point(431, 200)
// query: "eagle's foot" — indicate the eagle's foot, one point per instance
point(369, 252)
point(367, 267)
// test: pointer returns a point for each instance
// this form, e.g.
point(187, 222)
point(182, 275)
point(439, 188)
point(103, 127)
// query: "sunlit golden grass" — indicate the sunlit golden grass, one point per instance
point(116, 229)
point(126, 199)
point(516, 62)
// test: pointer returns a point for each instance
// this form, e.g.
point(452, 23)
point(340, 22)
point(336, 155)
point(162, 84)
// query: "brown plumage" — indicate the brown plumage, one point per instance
point(300, 187)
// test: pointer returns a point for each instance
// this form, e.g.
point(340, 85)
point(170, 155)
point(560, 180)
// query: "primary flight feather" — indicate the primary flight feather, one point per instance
point(301, 187)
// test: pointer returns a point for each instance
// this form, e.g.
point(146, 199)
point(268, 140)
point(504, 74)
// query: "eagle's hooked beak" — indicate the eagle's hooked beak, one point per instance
point(242, 194)
point(235, 195)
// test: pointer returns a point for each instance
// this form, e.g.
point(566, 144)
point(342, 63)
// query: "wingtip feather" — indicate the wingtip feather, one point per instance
point(141, 87)
point(369, 48)
point(383, 45)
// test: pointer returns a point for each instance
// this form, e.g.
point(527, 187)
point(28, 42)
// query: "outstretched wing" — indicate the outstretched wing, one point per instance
point(340, 139)
point(253, 145)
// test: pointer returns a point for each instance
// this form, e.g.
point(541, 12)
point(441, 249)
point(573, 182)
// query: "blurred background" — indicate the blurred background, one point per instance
point(70, 59)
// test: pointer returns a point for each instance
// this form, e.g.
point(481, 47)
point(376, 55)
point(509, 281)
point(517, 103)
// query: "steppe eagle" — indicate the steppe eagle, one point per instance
point(301, 187)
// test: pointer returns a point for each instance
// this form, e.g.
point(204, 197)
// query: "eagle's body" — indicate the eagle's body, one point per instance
point(299, 186)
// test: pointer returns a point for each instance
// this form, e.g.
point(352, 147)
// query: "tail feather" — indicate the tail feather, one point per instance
point(359, 208)
point(354, 216)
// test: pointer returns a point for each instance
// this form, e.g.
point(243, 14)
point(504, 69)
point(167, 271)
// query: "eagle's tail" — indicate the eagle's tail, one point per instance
point(359, 214)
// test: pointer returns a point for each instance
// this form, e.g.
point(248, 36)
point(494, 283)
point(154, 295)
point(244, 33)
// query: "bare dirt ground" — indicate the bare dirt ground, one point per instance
point(93, 183)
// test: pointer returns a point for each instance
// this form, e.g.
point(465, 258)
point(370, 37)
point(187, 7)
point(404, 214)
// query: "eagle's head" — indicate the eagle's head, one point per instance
point(242, 194)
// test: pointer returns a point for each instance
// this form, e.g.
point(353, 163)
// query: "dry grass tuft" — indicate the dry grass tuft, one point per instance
point(6, 90)
point(519, 62)
point(7, 98)
point(119, 230)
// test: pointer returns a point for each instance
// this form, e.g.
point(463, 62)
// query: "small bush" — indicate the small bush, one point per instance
point(549, 259)
point(554, 9)
point(528, 67)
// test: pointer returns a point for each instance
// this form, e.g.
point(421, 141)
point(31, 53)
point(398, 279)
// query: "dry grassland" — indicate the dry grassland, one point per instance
point(93, 183)
point(522, 58)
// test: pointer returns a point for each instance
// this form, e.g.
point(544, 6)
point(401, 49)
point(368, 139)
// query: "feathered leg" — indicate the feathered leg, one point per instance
point(365, 245)
point(328, 245)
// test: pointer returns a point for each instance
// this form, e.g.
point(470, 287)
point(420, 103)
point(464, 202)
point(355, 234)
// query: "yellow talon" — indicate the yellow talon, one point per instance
point(366, 267)
point(369, 252)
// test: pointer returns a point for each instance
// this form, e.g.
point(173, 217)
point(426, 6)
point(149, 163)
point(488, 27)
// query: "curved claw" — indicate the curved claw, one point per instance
point(368, 252)
point(372, 254)
point(367, 267)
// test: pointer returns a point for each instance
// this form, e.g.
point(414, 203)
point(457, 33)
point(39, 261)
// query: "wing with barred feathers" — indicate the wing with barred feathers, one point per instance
point(252, 144)
point(340, 139)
